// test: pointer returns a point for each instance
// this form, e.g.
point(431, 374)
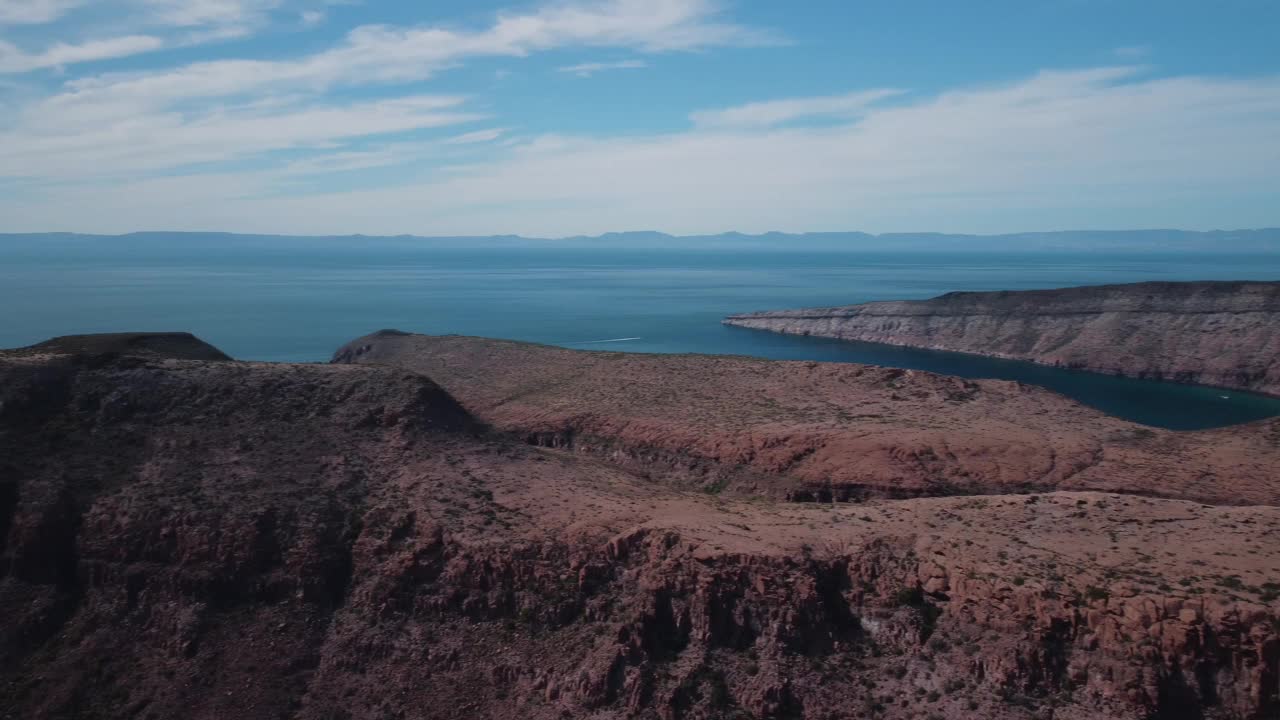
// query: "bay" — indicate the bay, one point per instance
point(298, 299)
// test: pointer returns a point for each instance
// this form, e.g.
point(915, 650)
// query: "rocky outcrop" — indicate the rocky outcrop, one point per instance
point(825, 431)
point(173, 345)
point(1225, 334)
point(209, 539)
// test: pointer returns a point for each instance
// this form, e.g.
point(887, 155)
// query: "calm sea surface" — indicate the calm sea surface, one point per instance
point(299, 299)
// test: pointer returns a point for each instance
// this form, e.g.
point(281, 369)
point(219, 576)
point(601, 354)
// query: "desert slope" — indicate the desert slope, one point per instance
point(209, 538)
point(826, 430)
point(1225, 334)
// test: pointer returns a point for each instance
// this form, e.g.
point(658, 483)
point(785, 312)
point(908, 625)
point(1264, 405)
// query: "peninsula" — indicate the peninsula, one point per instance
point(1224, 334)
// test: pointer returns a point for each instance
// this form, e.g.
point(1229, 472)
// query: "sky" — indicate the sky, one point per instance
point(566, 117)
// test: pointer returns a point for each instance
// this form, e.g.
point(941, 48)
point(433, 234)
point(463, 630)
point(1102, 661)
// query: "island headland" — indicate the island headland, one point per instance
point(1224, 334)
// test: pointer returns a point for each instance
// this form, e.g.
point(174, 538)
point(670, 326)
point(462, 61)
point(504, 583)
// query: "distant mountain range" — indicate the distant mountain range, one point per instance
point(1266, 240)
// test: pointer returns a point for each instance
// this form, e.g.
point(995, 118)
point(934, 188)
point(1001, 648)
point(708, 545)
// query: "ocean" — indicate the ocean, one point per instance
point(298, 299)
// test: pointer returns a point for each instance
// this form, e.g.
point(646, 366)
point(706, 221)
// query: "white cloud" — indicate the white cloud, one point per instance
point(79, 148)
point(479, 136)
point(14, 60)
point(126, 124)
point(311, 18)
point(1060, 149)
point(149, 13)
point(591, 68)
point(192, 13)
point(650, 25)
point(385, 155)
point(263, 145)
point(167, 23)
point(383, 54)
point(779, 112)
point(377, 156)
point(153, 120)
point(34, 12)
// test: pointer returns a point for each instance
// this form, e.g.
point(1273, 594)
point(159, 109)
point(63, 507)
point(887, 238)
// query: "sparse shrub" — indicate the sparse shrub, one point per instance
point(912, 596)
point(1232, 582)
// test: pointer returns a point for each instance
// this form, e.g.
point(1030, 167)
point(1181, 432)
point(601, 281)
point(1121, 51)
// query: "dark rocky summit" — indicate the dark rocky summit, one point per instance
point(175, 345)
point(204, 538)
point(1225, 334)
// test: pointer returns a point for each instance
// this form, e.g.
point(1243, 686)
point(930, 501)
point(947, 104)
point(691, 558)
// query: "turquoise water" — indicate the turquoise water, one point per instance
point(299, 299)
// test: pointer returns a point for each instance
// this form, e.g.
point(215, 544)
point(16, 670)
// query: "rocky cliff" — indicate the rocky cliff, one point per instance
point(209, 538)
point(1225, 334)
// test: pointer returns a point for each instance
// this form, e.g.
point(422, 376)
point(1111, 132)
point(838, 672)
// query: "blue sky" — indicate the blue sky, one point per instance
point(570, 117)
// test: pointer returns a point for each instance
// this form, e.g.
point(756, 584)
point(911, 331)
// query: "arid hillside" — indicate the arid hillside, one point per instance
point(826, 430)
point(211, 538)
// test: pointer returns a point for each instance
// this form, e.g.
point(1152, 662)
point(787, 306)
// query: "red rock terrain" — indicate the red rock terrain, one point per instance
point(829, 430)
point(1225, 334)
point(205, 538)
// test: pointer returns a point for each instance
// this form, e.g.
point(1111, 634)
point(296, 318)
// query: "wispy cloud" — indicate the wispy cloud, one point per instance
point(382, 54)
point(779, 112)
point(194, 13)
point(479, 136)
point(14, 60)
point(80, 148)
point(164, 23)
point(591, 68)
point(34, 12)
point(1107, 139)
point(231, 108)
point(280, 143)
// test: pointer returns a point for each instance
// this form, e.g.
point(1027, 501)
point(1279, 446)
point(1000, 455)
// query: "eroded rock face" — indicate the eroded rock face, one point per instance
point(219, 539)
point(1225, 334)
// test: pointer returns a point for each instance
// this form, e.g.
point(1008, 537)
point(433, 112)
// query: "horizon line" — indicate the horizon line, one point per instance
point(659, 233)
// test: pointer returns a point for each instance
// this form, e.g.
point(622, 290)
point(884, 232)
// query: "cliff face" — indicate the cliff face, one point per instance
point(211, 539)
point(1225, 334)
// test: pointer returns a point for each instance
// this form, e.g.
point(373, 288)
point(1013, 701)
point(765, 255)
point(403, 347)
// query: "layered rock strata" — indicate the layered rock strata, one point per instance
point(1225, 334)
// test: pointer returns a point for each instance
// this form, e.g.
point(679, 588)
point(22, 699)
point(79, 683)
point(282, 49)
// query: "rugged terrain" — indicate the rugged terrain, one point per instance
point(205, 538)
point(1225, 334)
point(826, 430)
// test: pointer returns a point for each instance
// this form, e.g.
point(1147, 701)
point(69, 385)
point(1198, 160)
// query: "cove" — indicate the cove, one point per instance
point(1160, 404)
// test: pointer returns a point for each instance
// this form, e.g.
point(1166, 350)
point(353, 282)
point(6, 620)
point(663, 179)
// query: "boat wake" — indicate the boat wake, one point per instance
point(611, 340)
